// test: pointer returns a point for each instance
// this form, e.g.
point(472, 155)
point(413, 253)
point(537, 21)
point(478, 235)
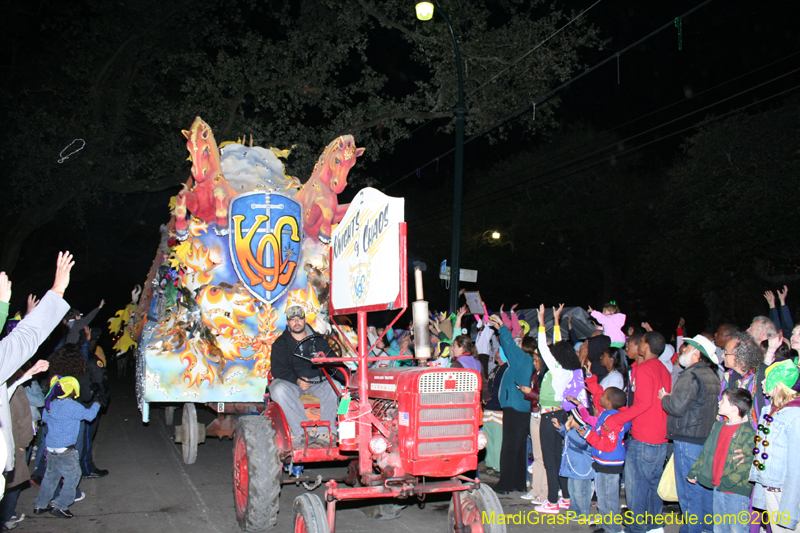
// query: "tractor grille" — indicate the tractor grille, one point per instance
point(446, 382)
point(445, 447)
point(457, 430)
point(446, 398)
point(445, 415)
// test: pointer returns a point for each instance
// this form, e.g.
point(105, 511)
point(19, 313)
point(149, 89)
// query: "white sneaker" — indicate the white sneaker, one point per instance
point(527, 496)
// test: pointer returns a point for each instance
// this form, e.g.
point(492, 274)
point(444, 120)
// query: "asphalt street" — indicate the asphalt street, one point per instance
point(151, 489)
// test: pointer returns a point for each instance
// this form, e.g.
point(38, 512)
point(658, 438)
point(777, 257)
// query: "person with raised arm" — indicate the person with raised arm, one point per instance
point(22, 343)
point(561, 380)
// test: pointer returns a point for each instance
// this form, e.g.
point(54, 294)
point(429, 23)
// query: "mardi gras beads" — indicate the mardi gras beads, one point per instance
point(762, 428)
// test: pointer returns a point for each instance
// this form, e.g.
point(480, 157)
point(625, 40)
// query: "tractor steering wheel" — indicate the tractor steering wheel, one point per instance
point(307, 349)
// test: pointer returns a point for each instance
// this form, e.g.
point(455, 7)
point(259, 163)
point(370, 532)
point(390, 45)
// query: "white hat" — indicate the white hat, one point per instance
point(705, 346)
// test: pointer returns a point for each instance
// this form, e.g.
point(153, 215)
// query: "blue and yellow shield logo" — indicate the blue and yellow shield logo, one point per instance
point(266, 232)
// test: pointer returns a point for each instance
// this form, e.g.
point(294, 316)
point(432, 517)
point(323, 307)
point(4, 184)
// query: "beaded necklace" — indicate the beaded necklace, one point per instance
point(762, 428)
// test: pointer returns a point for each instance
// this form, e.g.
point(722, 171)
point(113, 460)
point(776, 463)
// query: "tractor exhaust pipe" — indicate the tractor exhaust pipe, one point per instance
point(419, 308)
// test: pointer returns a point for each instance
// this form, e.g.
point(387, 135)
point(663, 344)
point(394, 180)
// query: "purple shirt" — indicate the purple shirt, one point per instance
point(467, 361)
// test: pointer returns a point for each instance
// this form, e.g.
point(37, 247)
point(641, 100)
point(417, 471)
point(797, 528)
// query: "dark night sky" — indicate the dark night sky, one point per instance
point(732, 45)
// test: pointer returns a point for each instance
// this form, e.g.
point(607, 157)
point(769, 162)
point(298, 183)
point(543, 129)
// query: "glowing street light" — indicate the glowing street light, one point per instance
point(425, 12)
point(495, 235)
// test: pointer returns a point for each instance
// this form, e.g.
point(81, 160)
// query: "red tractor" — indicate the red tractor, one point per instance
point(405, 431)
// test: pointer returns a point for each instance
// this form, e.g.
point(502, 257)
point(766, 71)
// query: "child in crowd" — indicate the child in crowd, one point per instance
point(724, 463)
point(612, 321)
point(576, 466)
point(63, 417)
point(608, 454)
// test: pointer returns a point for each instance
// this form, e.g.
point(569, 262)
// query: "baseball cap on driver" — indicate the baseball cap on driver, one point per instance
point(295, 311)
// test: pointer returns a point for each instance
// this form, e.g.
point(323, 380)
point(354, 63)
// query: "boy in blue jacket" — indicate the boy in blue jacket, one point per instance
point(63, 417)
point(576, 466)
point(608, 456)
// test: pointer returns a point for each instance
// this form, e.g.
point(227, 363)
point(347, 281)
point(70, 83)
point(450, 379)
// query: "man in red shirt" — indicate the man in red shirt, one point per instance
point(647, 448)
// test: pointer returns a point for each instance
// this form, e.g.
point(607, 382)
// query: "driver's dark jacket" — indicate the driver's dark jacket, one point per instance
point(287, 367)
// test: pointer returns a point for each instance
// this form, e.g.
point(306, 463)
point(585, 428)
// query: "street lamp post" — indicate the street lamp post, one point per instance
point(460, 112)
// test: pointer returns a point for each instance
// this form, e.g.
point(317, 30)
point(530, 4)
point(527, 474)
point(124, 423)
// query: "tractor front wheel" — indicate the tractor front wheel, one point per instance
point(256, 473)
point(473, 505)
point(310, 515)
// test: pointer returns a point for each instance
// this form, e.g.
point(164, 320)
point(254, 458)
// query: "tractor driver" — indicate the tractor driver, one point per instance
point(294, 376)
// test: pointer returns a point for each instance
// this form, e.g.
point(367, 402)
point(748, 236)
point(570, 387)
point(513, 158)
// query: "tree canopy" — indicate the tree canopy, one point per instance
point(126, 77)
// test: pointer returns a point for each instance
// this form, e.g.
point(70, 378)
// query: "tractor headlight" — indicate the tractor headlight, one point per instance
point(378, 445)
point(482, 440)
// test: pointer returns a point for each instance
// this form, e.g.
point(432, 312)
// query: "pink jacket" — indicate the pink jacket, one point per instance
point(612, 325)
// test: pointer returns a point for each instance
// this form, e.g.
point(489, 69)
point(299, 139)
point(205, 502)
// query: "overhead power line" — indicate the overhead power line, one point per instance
point(424, 222)
point(549, 94)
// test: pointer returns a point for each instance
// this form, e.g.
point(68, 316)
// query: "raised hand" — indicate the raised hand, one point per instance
point(32, 303)
point(540, 314)
point(88, 332)
point(782, 295)
point(501, 307)
point(102, 303)
point(40, 366)
point(775, 342)
point(496, 322)
point(590, 309)
point(647, 326)
point(64, 265)
point(461, 311)
point(5, 288)
point(557, 313)
point(770, 297)
point(514, 307)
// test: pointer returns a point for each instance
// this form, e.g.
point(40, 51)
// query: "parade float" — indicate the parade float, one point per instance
point(245, 241)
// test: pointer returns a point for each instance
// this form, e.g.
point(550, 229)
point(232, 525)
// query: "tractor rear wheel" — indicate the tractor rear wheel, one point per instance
point(310, 515)
point(473, 505)
point(256, 473)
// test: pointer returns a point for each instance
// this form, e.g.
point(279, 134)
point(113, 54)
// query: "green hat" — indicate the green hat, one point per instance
point(782, 372)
